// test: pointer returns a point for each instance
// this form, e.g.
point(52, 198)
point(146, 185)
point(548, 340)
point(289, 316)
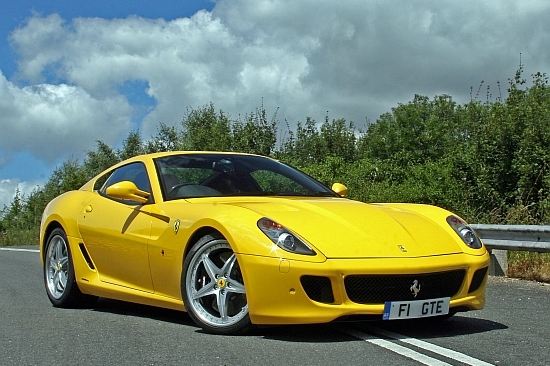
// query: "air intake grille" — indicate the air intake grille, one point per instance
point(377, 289)
point(318, 288)
point(477, 280)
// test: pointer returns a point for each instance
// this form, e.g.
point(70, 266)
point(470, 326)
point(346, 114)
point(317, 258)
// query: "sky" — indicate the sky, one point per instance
point(73, 72)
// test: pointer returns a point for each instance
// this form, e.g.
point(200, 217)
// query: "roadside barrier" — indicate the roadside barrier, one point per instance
point(501, 238)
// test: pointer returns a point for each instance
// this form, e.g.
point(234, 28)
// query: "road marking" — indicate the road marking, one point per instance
point(404, 351)
point(409, 353)
point(432, 348)
point(20, 250)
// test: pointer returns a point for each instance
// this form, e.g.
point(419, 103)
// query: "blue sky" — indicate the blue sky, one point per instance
point(24, 166)
point(73, 72)
point(14, 14)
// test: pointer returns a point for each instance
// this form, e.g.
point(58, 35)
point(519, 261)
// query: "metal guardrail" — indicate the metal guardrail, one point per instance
point(501, 238)
point(533, 238)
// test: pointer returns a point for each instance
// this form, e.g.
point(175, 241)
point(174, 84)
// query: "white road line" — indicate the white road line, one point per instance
point(20, 250)
point(404, 351)
point(432, 348)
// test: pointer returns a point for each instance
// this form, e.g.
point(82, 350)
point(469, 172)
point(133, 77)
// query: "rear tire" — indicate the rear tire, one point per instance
point(213, 289)
point(59, 277)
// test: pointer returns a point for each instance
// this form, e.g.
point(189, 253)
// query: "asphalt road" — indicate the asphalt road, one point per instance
point(513, 329)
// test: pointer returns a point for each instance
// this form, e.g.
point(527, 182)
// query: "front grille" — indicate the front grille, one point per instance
point(318, 288)
point(377, 289)
point(477, 280)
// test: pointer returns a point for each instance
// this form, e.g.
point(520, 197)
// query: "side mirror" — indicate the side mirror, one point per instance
point(341, 189)
point(127, 190)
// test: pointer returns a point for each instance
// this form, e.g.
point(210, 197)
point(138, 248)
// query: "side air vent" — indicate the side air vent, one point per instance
point(86, 255)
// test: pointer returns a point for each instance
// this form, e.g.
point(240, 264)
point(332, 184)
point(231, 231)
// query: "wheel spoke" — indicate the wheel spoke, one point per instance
point(228, 266)
point(62, 281)
point(56, 281)
point(232, 284)
point(212, 270)
point(235, 286)
point(58, 250)
point(63, 262)
point(209, 289)
point(223, 304)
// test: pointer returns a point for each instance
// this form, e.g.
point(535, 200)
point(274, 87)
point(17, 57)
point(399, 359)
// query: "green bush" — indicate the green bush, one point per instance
point(488, 162)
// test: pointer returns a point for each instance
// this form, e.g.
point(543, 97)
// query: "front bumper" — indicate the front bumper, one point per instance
point(276, 295)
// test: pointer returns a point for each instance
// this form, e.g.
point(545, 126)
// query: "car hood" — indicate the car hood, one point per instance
point(342, 228)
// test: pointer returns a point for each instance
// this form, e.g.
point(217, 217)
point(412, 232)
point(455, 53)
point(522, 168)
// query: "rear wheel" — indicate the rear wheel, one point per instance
point(213, 288)
point(59, 275)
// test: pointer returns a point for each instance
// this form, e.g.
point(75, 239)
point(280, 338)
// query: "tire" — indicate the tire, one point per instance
point(59, 277)
point(213, 289)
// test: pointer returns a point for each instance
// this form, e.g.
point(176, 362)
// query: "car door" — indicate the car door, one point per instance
point(116, 232)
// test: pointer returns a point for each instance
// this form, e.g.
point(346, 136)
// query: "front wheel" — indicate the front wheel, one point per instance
point(213, 288)
point(59, 275)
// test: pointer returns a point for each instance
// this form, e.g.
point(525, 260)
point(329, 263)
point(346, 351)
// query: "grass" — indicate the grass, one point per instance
point(19, 237)
point(529, 266)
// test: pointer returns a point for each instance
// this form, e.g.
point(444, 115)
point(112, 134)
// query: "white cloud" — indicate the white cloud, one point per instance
point(8, 187)
point(355, 59)
point(53, 121)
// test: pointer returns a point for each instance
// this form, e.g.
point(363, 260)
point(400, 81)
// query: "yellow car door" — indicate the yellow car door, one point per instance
point(116, 233)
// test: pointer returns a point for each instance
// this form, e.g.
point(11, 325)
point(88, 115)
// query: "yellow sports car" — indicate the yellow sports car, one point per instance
point(238, 240)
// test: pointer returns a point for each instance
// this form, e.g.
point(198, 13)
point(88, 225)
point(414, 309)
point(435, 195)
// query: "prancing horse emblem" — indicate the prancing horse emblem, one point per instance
point(415, 288)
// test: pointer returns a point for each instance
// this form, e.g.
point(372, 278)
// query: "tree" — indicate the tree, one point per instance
point(168, 138)
point(97, 161)
point(255, 135)
point(131, 146)
point(338, 138)
point(204, 129)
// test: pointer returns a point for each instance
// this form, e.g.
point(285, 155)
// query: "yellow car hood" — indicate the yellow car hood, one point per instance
point(342, 228)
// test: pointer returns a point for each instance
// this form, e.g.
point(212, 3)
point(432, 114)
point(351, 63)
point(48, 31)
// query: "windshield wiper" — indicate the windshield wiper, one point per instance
point(322, 194)
point(251, 194)
point(279, 194)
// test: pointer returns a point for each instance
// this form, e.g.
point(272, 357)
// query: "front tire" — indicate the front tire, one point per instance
point(213, 289)
point(59, 276)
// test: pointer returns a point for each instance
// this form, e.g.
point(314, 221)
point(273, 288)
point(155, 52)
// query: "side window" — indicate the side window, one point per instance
point(98, 185)
point(134, 172)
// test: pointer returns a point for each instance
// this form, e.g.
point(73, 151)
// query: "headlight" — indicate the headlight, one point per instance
point(465, 232)
point(284, 238)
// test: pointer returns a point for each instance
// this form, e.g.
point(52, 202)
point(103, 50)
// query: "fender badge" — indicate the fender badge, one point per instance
point(176, 226)
point(403, 249)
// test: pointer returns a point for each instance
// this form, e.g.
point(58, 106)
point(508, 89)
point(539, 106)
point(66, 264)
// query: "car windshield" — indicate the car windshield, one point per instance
point(211, 175)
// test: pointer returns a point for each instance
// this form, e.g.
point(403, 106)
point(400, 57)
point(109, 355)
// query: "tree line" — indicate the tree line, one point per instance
point(488, 161)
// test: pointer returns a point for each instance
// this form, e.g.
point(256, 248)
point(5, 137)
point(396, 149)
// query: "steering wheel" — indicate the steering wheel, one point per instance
point(175, 188)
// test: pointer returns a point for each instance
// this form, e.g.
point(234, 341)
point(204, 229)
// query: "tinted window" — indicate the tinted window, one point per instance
point(134, 172)
point(99, 183)
point(207, 175)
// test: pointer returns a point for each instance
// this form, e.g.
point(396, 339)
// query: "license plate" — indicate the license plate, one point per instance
point(416, 309)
